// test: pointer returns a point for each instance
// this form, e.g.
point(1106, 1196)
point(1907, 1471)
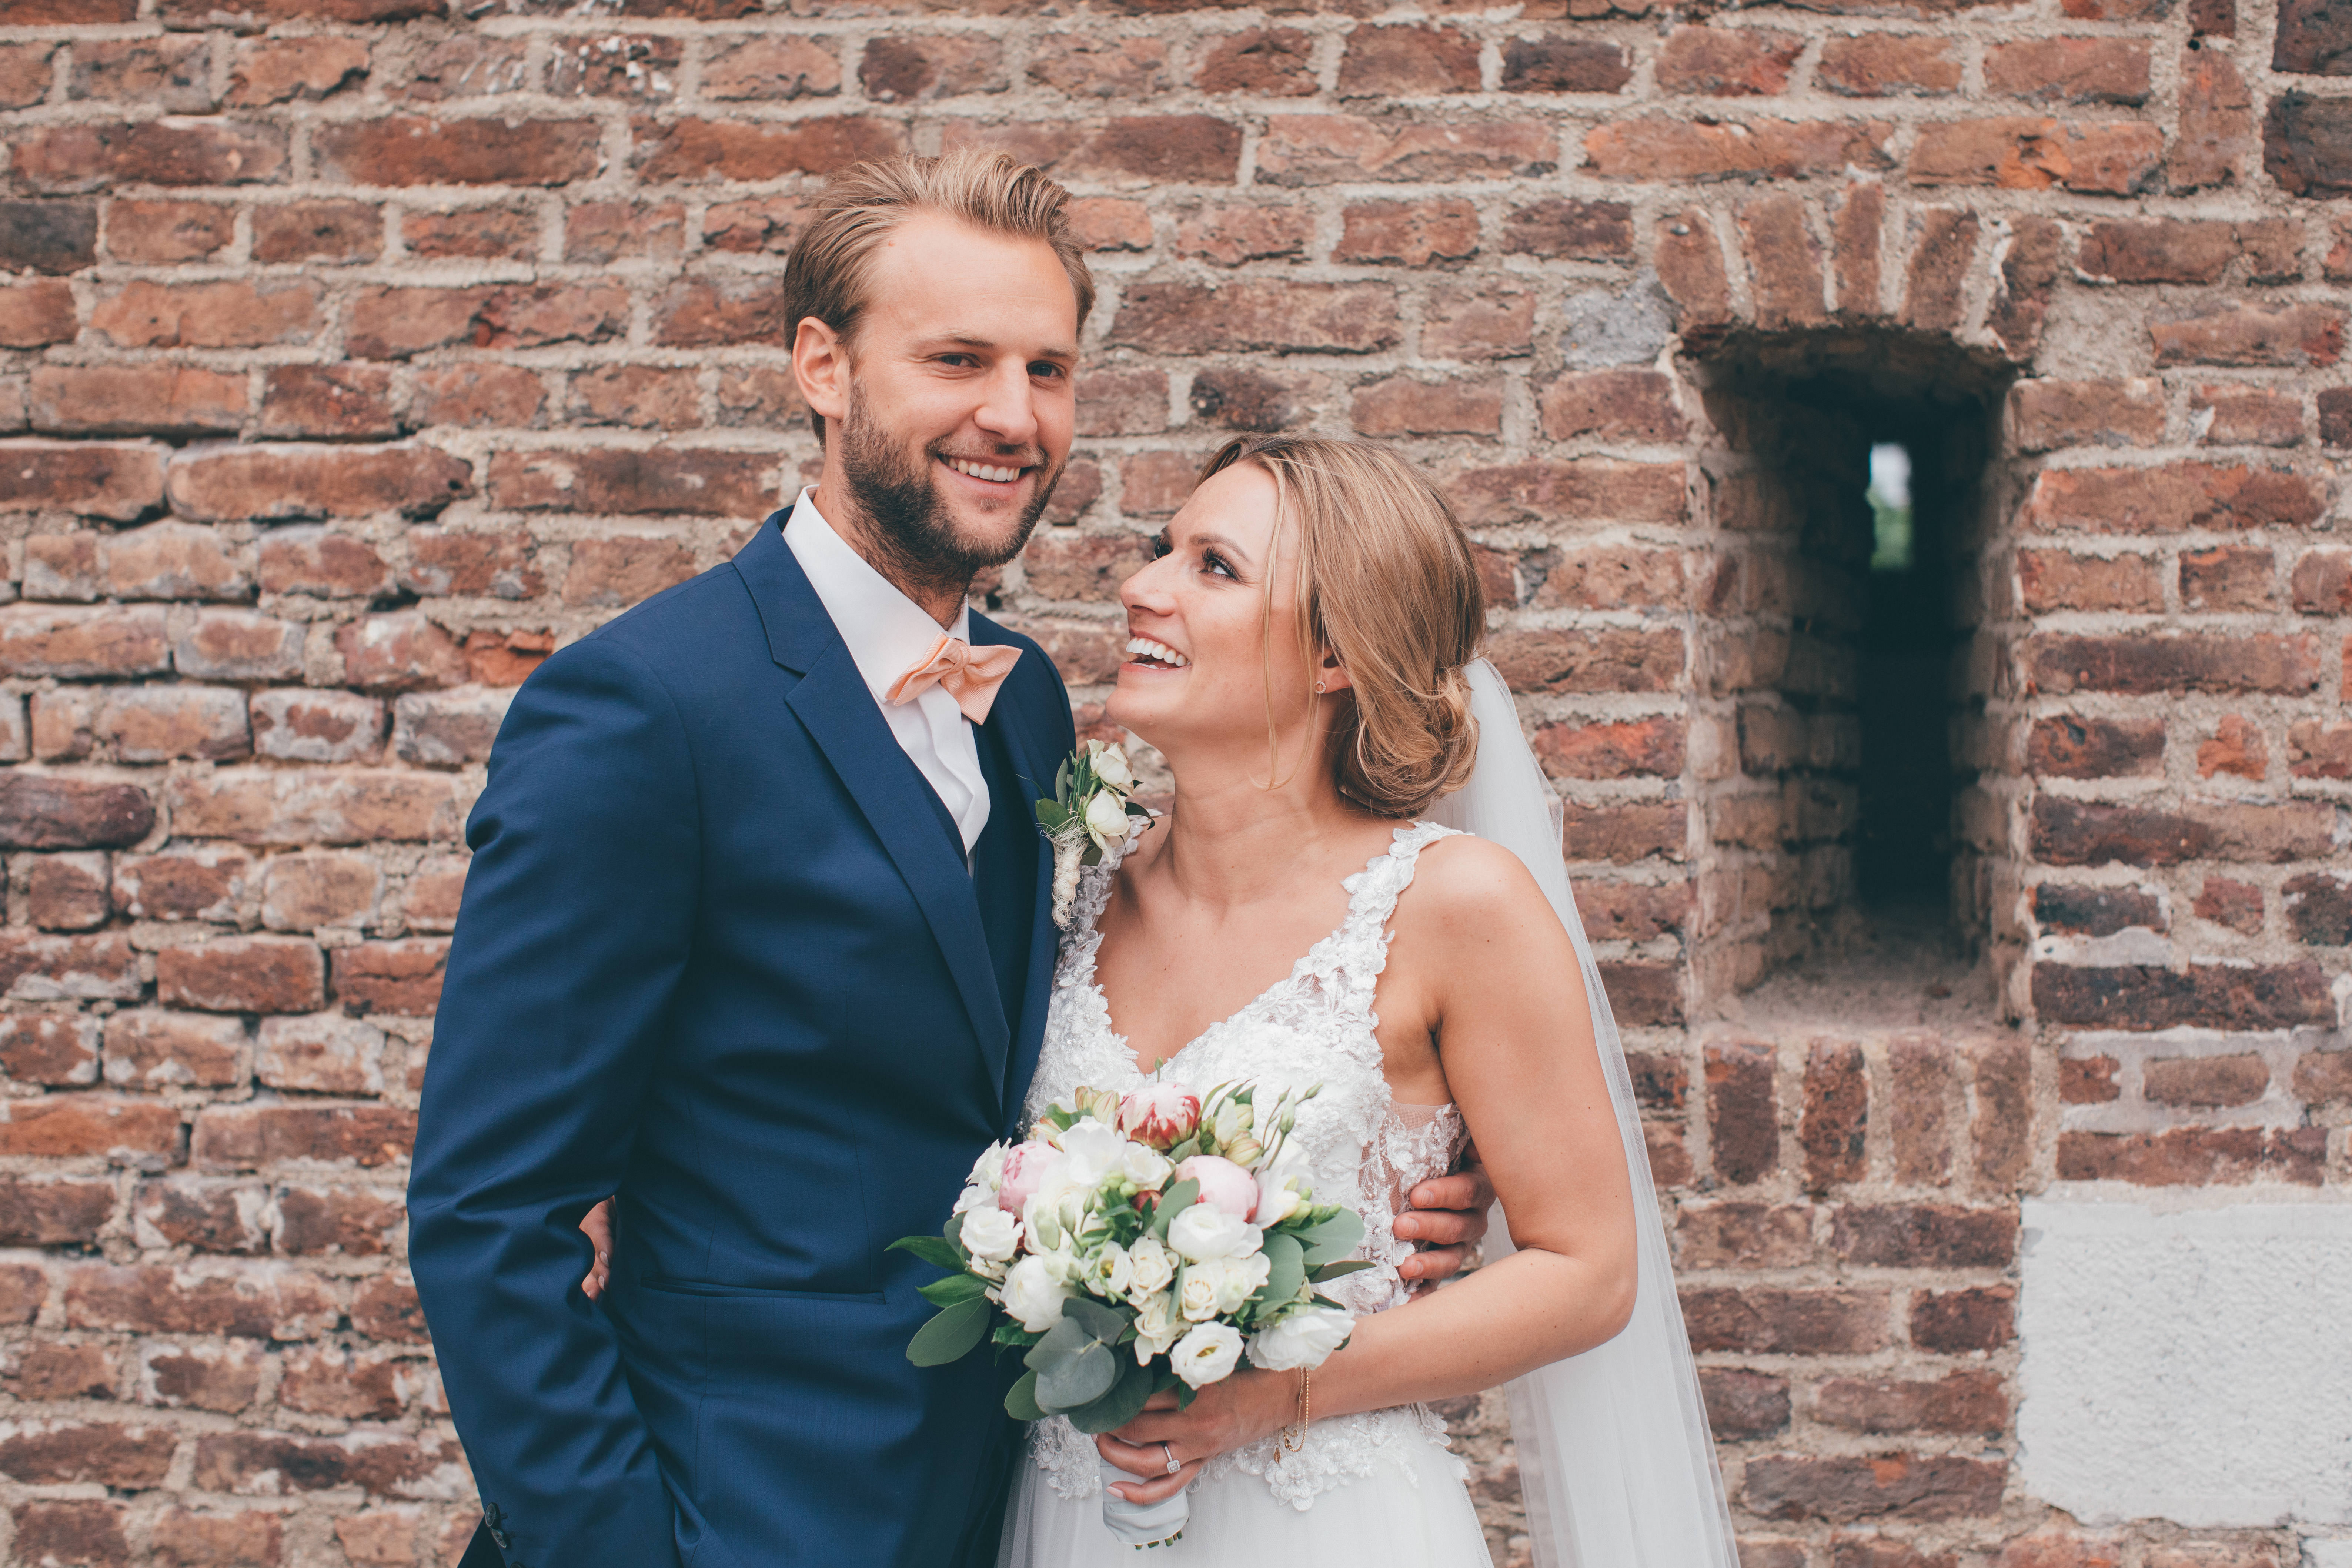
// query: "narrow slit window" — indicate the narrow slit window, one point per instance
point(1890, 507)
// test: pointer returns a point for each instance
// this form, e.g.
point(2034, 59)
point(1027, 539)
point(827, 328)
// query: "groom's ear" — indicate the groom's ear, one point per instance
point(821, 367)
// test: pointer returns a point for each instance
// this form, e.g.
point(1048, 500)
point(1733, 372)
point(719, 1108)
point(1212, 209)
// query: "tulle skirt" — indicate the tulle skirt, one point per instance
point(1412, 1510)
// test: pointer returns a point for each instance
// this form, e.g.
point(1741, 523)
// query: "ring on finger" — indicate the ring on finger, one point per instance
point(1174, 1464)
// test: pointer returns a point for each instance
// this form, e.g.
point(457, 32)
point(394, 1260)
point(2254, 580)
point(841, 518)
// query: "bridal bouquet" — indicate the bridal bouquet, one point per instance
point(1138, 1245)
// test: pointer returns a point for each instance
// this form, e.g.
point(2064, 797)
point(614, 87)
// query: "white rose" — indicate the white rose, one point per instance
point(1204, 1231)
point(988, 1171)
point(1033, 1296)
point(1157, 1326)
point(972, 1197)
point(1304, 1338)
point(1111, 764)
point(1106, 821)
point(1109, 1272)
point(1196, 1294)
point(1238, 1279)
point(987, 1270)
point(991, 1233)
point(1090, 1151)
point(1147, 1167)
point(1150, 1266)
point(1207, 1354)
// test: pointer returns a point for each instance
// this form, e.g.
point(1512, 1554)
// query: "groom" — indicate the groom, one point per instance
point(756, 937)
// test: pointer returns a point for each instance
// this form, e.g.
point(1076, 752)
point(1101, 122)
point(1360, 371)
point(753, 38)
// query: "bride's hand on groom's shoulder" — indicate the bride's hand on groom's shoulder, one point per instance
point(1447, 1221)
point(1250, 1405)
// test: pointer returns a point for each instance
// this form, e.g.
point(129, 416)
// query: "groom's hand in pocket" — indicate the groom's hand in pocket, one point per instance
point(1446, 1222)
point(598, 1228)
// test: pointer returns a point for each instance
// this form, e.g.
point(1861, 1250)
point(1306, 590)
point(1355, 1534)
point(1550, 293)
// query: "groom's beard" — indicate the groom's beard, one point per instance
point(910, 520)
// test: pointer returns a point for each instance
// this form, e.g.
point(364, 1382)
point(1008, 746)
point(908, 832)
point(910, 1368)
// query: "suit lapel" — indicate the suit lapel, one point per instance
point(1026, 739)
point(833, 703)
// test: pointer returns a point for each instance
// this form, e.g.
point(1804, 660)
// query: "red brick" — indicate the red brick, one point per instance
point(320, 231)
point(1475, 322)
point(38, 1213)
point(1232, 233)
point(701, 313)
point(2207, 995)
point(1628, 405)
point(506, 658)
point(166, 724)
point(1889, 65)
point(302, 892)
point(687, 149)
point(392, 977)
point(2029, 273)
point(430, 900)
point(644, 396)
point(226, 315)
point(257, 806)
point(2216, 125)
point(237, 645)
point(2088, 1080)
point(2048, 415)
point(57, 1049)
point(69, 1125)
point(1625, 834)
point(609, 231)
point(1784, 263)
point(94, 156)
point(118, 483)
point(1612, 659)
point(2236, 905)
point(293, 483)
point(337, 1383)
point(1409, 234)
point(1397, 62)
point(1132, 151)
point(188, 1540)
point(2308, 144)
point(242, 974)
point(1928, 1236)
point(467, 66)
point(2170, 251)
point(1252, 317)
point(25, 72)
point(1744, 1236)
point(2115, 158)
point(2057, 1549)
point(381, 1463)
point(1558, 227)
point(23, 1288)
point(282, 70)
point(1836, 1116)
point(2334, 404)
point(70, 1534)
point(197, 882)
point(38, 640)
point(1612, 579)
point(385, 1307)
point(37, 313)
point(2194, 1156)
point(1108, 224)
point(628, 65)
point(412, 150)
point(402, 651)
point(334, 402)
point(173, 73)
point(359, 1222)
point(901, 69)
point(122, 400)
point(1742, 1111)
point(2147, 665)
point(1317, 150)
point(58, 1372)
point(1690, 268)
point(1743, 1404)
point(1921, 1070)
point(2174, 499)
point(2248, 333)
point(321, 563)
point(1959, 1402)
point(1897, 1485)
point(2318, 909)
point(1728, 62)
point(2097, 911)
point(393, 323)
point(2319, 751)
point(2060, 580)
point(324, 1053)
point(640, 483)
point(448, 728)
point(1937, 275)
point(256, 1302)
point(2233, 415)
point(1609, 750)
point(1405, 407)
point(64, 892)
point(493, 565)
point(1643, 993)
point(203, 1214)
point(154, 1049)
point(2070, 70)
point(244, 1137)
point(2226, 577)
point(481, 233)
point(1564, 62)
point(475, 394)
point(2205, 1082)
point(2236, 747)
point(1628, 911)
point(1265, 62)
point(2084, 832)
point(226, 1377)
point(1083, 64)
point(1763, 1320)
point(1662, 149)
point(160, 232)
point(1588, 488)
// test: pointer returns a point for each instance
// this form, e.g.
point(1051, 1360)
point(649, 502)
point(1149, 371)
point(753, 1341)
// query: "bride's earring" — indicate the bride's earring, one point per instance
point(1318, 689)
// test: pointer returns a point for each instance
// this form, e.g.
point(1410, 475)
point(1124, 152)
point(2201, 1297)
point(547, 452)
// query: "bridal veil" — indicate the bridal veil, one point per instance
point(1615, 1459)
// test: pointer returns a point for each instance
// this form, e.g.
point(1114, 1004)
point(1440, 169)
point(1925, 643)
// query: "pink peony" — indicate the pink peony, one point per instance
point(1160, 1115)
point(1026, 1168)
point(1224, 1185)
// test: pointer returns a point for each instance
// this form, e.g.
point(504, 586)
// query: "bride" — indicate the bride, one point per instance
point(1303, 655)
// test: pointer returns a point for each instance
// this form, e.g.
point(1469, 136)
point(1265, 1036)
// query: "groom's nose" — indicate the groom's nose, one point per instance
point(1008, 408)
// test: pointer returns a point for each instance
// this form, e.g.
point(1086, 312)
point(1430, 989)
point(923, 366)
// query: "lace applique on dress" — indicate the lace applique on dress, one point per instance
point(1315, 1026)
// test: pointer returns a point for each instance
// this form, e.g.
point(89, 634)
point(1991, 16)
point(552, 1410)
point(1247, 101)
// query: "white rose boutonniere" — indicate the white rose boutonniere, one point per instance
point(1092, 813)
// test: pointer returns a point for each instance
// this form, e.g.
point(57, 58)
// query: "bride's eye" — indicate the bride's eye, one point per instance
point(1213, 562)
point(1160, 545)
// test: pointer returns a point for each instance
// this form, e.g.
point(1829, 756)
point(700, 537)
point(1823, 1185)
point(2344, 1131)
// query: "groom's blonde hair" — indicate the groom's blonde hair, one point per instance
point(828, 274)
point(1388, 584)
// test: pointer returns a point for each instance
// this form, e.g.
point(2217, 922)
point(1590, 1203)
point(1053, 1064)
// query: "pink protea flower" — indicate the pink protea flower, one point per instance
point(1160, 1115)
point(1224, 1185)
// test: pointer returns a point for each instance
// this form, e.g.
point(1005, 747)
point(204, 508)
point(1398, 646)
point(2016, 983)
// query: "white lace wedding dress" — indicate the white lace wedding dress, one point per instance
point(1370, 1488)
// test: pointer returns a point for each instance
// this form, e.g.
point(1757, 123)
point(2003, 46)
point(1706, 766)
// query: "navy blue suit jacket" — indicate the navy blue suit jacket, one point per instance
point(721, 954)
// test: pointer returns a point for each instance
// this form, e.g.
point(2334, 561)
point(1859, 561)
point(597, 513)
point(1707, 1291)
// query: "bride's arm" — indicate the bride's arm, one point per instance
point(1496, 979)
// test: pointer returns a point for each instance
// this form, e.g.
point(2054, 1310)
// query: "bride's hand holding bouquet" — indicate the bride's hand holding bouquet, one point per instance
point(1133, 1250)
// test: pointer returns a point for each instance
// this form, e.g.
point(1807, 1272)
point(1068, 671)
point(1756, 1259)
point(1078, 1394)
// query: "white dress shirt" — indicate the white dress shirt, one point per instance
point(889, 634)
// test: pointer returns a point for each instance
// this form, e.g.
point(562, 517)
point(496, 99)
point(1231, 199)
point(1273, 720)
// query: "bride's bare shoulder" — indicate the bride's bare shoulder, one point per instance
point(1465, 885)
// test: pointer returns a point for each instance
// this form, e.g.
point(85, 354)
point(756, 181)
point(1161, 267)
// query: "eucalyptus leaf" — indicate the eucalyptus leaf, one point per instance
point(1173, 1202)
point(951, 1335)
point(1338, 1270)
point(1107, 1324)
point(1333, 1239)
point(1076, 1378)
point(1122, 1404)
point(933, 1250)
point(953, 1233)
point(955, 1287)
point(1285, 1269)
point(1021, 1399)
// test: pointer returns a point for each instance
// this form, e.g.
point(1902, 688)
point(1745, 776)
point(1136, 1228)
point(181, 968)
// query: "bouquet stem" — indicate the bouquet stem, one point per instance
point(1138, 1525)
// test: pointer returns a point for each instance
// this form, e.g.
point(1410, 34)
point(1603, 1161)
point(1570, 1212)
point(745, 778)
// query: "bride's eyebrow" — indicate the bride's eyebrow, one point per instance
point(1218, 540)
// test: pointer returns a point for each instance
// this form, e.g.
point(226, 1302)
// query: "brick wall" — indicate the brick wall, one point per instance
point(353, 353)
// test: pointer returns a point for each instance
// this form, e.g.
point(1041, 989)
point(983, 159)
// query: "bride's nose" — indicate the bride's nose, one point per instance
point(1147, 588)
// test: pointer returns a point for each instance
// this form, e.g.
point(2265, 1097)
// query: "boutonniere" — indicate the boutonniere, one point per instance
point(1093, 811)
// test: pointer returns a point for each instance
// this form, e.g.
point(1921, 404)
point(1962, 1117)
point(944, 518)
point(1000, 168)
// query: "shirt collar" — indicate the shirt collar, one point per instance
point(888, 633)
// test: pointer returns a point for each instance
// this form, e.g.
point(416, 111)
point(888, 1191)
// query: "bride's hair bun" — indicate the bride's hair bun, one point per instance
point(1391, 589)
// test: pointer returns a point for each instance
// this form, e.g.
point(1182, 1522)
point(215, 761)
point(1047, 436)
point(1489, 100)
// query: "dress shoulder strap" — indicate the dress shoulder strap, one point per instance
point(1359, 948)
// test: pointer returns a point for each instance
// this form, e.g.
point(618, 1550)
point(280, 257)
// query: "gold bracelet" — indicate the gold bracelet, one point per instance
point(1292, 1442)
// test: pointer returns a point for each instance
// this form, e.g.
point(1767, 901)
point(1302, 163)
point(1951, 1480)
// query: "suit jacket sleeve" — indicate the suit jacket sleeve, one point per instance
point(572, 942)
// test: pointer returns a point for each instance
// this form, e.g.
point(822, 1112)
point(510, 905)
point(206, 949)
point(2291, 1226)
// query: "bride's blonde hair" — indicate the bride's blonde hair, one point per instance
point(1387, 583)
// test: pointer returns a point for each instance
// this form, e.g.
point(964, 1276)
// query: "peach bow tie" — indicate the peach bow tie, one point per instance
point(970, 674)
